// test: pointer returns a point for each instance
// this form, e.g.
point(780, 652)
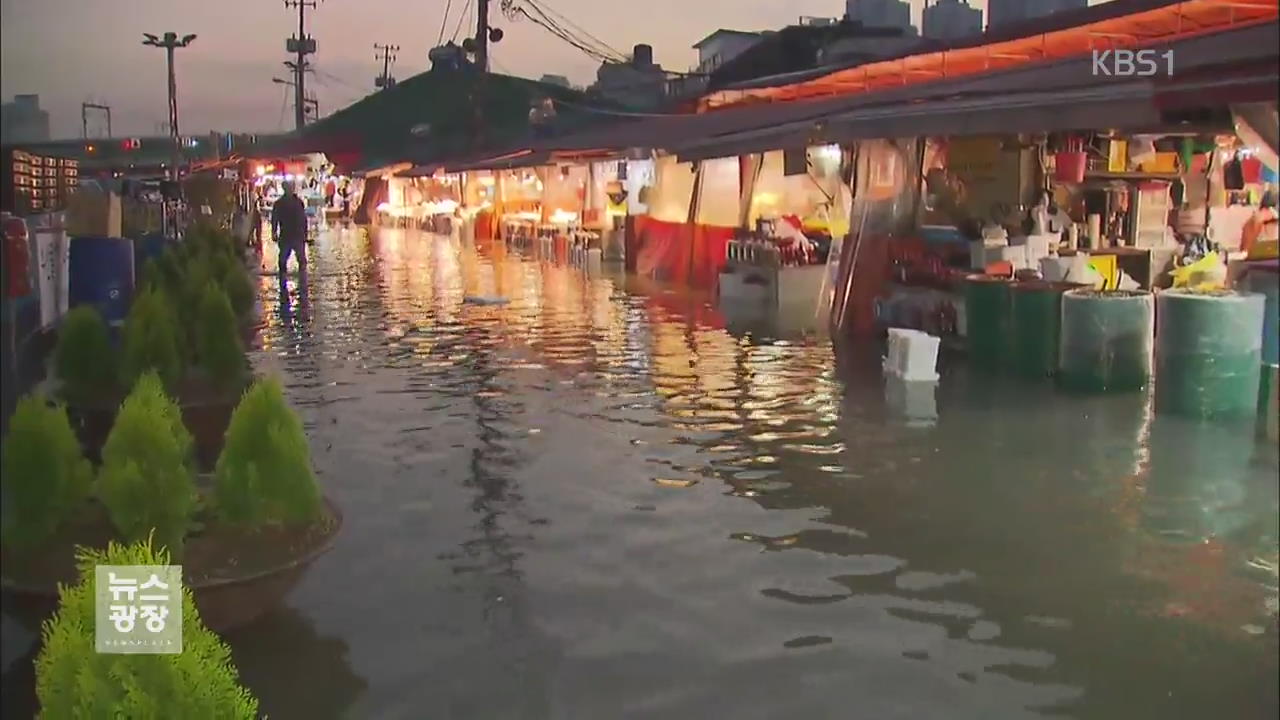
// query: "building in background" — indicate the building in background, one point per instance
point(880, 13)
point(22, 121)
point(1006, 12)
point(951, 19)
point(722, 46)
point(639, 83)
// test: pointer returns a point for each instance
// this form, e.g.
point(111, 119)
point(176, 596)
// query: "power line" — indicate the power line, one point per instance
point(544, 20)
point(284, 104)
point(598, 42)
point(444, 21)
point(458, 28)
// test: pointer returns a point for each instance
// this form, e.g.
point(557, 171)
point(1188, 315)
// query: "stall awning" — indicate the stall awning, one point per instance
point(1142, 26)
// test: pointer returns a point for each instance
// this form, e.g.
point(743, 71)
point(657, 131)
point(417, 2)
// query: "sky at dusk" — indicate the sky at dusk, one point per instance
point(71, 51)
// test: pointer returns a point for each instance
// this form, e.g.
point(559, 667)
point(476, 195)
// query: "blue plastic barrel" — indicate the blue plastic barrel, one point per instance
point(102, 275)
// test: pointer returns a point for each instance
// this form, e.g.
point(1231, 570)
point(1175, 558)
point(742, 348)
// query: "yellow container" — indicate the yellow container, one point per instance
point(1118, 156)
point(1162, 162)
point(1265, 250)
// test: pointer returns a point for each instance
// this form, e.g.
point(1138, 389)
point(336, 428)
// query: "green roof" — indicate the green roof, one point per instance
point(431, 114)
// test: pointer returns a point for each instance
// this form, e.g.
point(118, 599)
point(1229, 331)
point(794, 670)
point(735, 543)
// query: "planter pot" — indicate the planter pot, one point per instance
point(249, 333)
point(225, 602)
point(206, 418)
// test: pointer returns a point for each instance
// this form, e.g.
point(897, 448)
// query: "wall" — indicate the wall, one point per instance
point(672, 190)
point(719, 195)
point(723, 48)
point(22, 121)
point(1004, 12)
point(879, 13)
point(950, 19)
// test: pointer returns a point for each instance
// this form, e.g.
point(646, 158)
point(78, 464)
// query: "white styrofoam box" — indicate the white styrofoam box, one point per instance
point(1014, 254)
point(1038, 246)
point(897, 347)
point(913, 355)
point(1055, 269)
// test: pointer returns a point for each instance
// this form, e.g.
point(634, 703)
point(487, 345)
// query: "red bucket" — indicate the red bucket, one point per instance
point(1069, 167)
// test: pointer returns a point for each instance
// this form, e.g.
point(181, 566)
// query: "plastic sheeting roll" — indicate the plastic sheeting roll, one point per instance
point(1035, 323)
point(1209, 354)
point(986, 307)
point(1106, 340)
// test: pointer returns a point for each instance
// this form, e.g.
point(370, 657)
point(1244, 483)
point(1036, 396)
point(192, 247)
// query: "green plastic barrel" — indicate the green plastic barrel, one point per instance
point(986, 309)
point(1209, 354)
point(1035, 311)
point(1106, 339)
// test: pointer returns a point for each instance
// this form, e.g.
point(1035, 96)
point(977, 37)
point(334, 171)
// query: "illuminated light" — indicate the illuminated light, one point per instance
point(89, 148)
point(563, 217)
point(260, 171)
point(486, 180)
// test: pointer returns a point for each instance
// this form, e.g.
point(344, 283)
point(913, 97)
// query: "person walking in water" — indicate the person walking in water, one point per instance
point(289, 228)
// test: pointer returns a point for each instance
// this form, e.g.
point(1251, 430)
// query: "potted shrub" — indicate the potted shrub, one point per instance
point(75, 681)
point(147, 482)
point(84, 357)
point(244, 540)
point(183, 325)
point(264, 498)
point(149, 341)
point(44, 476)
point(218, 376)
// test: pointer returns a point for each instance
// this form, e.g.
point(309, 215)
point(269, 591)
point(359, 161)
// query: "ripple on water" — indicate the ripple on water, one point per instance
point(597, 501)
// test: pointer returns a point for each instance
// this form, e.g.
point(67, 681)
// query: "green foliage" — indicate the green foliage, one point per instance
point(151, 340)
point(84, 357)
point(240, 290)
point(147, 482)
point(73, 681)
point(218, 349)
point(264, 473)
point(45, 474)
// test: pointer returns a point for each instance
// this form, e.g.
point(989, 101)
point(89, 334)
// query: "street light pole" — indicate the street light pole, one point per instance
point(171, 42)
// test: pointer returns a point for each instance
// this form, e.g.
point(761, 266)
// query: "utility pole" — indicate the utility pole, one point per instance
point(387, 54)
point(312, 102)
point(85, 107)
point(482, 35)
point(170, 42)
point(301, 46)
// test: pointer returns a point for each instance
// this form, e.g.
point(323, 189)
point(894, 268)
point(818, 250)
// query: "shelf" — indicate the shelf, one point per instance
point(1100, 175)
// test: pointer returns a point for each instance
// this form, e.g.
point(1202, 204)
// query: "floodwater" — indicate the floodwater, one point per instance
point(598, 501)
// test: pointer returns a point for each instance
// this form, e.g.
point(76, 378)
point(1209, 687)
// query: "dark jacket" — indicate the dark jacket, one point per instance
point(289, 220)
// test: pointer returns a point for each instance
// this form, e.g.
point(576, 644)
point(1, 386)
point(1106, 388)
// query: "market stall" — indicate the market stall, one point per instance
point(794, 205)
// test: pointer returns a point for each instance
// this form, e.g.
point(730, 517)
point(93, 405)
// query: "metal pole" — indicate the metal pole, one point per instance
point(482, 35)
point(173, 112)
point(299, 103)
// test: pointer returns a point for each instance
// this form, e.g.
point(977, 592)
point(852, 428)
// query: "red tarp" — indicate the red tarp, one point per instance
point(683, 253)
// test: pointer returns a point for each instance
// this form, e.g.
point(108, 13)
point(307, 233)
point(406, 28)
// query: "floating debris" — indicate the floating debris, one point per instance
point(675, 482)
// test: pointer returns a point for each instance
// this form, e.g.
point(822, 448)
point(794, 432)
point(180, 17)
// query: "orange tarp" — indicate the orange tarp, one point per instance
point(1140, 29)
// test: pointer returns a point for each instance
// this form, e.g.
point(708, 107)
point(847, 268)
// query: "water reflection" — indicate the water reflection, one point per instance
point(283, 658)
point(602, 499)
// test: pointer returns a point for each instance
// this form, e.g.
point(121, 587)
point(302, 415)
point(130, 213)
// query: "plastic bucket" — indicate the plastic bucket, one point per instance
point(1069, 167)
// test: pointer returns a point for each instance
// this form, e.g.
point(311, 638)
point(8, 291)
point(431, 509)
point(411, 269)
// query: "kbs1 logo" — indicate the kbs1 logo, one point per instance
point(1132, 63)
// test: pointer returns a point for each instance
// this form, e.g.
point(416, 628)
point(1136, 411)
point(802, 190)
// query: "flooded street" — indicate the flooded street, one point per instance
point(597, 501)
